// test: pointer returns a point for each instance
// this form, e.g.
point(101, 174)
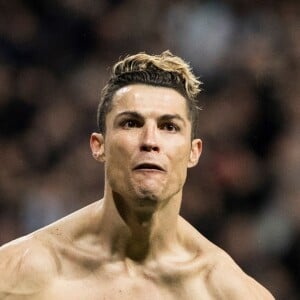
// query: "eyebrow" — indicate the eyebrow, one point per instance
point(169, 117)
point(129, 113)
point(136, 115)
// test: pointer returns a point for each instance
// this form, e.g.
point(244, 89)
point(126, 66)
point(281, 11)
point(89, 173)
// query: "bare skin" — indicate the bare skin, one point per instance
point(132, 244)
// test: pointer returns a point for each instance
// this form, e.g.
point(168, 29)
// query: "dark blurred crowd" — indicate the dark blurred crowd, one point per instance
point(244, 195)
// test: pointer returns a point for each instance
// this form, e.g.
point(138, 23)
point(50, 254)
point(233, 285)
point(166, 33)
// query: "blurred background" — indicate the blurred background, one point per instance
point(244, 195)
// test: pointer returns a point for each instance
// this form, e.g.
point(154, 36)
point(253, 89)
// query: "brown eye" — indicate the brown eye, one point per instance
point(170, 127)
point(127, 124)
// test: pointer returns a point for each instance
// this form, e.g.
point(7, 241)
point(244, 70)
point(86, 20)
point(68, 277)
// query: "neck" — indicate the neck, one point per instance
point(142, 230)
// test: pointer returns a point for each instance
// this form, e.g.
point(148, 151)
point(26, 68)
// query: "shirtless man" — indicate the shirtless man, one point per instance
point(132, 244)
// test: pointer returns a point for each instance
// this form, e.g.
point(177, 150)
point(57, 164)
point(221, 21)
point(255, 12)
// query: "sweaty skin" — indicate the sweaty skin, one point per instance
point(132, 244)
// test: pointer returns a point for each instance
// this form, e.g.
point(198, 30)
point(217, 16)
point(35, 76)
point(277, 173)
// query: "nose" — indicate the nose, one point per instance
point(149, 140)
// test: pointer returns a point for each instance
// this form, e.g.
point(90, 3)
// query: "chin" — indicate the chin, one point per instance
point(147, 196)
point(146, 203)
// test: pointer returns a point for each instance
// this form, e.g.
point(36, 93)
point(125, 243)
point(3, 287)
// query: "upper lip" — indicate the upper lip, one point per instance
point(149, 165)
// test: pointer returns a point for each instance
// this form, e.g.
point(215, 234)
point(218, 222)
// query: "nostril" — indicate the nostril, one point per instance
point(149, 148)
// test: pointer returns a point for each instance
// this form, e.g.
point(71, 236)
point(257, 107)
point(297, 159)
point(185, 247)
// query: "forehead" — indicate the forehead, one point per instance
point(148, 99)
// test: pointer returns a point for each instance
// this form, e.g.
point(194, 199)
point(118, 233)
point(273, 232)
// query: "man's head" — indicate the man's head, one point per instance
point(165, 70)
point(147, 117)
point(147, 148)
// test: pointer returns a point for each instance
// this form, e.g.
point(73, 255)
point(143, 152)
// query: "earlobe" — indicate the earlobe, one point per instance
point(195, 153)
point(97, 146)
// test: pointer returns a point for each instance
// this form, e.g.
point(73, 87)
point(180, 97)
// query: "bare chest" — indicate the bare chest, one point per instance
point(125, 288)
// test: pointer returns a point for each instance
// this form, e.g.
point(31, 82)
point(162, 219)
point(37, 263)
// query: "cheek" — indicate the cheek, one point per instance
point(180, 159)
point(118, 152)
point(181, 153)
point(116, 166)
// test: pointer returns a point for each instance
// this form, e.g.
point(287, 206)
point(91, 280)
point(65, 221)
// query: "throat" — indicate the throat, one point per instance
point(149, 229)
point(138, 250)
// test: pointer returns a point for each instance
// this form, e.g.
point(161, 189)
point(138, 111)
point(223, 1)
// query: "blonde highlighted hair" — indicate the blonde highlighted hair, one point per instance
point(165, 69)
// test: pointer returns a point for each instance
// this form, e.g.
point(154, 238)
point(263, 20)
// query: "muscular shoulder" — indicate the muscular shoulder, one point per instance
point(26, 268)
point(226, 280)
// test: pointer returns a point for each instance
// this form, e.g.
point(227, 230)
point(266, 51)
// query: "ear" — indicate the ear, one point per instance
point(97, 146)
point(196, 150)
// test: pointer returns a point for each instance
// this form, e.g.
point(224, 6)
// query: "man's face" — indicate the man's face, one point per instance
point(147, 146)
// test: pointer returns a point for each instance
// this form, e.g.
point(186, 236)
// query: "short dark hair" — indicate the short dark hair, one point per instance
point(166, 70)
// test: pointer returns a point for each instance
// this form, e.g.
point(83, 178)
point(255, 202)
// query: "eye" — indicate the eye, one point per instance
point(170, 126)
point(127, 124)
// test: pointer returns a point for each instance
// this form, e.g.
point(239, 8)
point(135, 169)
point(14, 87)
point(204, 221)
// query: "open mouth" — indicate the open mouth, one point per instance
point(148, 166)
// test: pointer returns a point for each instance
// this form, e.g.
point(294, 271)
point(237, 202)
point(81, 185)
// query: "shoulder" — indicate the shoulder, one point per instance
point(26, 267)
point(226, 280)
point(30, 264)
point(223, 277)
